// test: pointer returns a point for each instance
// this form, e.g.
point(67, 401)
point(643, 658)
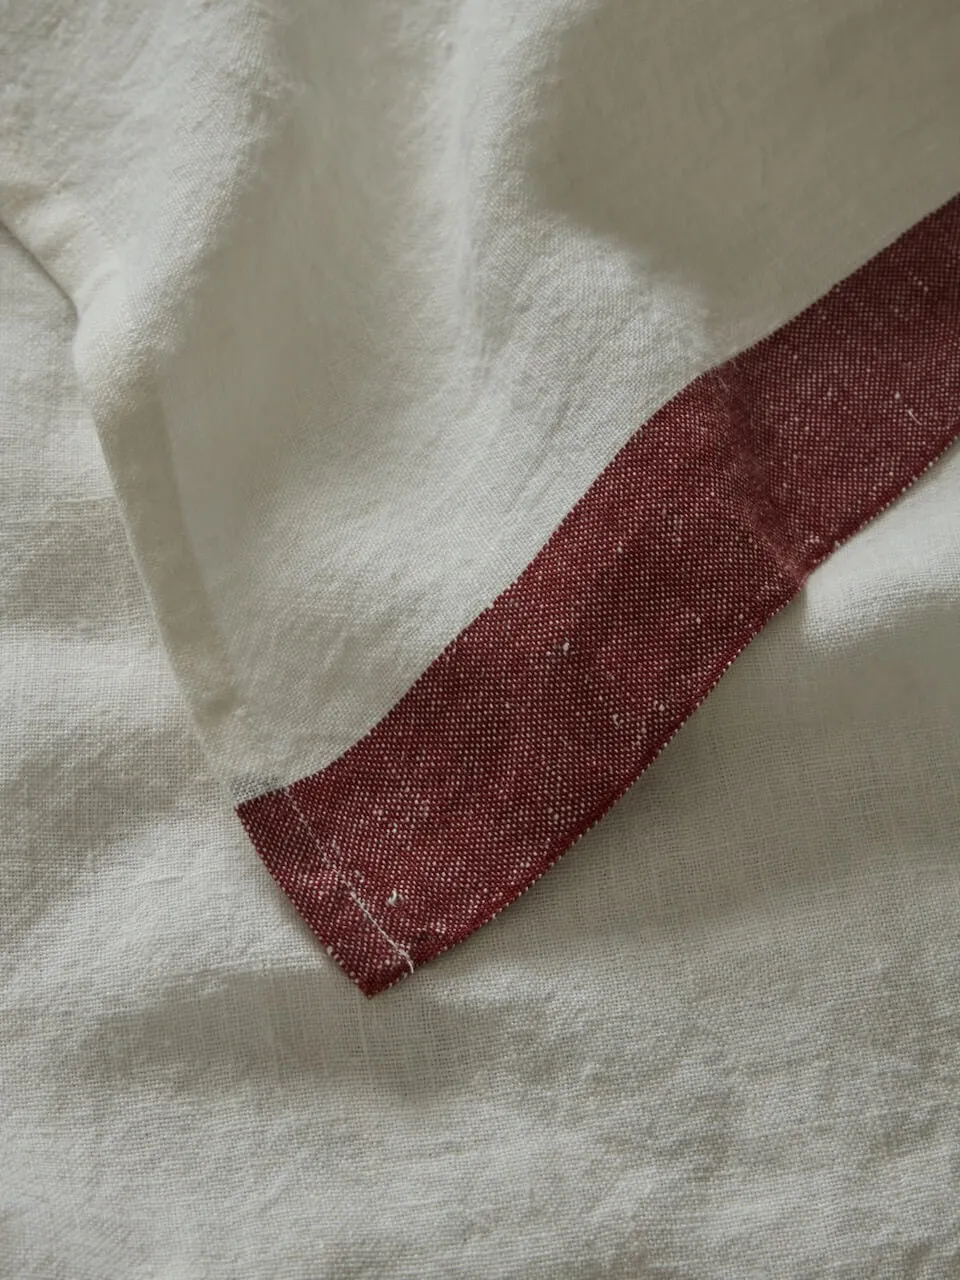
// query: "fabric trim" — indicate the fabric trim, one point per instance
point(549, 706)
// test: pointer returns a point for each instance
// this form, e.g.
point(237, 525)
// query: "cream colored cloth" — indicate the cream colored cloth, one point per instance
point(721, 1039)
point(366, 294)
point(369, 291)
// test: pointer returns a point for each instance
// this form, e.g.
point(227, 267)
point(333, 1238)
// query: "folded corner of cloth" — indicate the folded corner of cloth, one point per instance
point(476, 381)
point(548, 706)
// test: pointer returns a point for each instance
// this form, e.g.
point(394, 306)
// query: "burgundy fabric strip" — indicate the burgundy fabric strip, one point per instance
point(548, 707)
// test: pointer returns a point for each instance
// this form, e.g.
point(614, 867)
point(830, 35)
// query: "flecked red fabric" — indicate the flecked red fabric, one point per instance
point(542, 713)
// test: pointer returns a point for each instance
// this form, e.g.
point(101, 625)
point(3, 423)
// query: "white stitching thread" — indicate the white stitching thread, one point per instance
point(354, 896)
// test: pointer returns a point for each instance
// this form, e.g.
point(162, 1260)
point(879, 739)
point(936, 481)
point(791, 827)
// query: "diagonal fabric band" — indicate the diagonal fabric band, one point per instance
point(542, 713)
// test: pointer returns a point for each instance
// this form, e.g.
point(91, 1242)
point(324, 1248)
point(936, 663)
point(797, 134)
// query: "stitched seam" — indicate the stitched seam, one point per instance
point(342, 880)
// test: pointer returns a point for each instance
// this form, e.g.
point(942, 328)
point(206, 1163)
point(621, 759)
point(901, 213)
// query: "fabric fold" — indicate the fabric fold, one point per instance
point(368, 296)
point(549, 706)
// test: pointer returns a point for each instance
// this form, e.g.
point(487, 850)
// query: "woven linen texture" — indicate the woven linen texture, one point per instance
point(542, 713)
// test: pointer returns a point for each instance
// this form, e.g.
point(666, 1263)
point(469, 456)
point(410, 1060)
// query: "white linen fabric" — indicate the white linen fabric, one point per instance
point(368, 292)
point(353, 300)
point(721, 1039)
